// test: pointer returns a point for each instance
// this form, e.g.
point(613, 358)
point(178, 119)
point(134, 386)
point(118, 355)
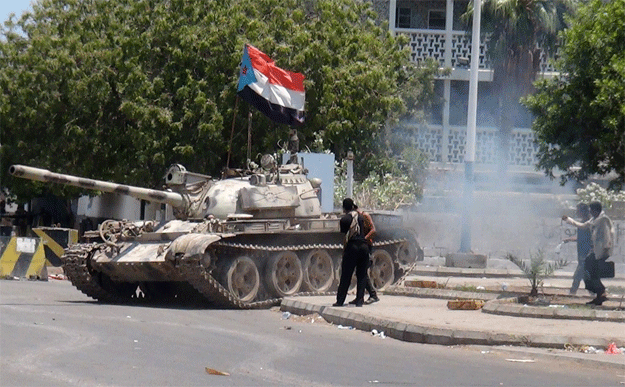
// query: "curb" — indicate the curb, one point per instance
point(511, 307)
point(434, 335)
point(445, 294)
point(443, 271)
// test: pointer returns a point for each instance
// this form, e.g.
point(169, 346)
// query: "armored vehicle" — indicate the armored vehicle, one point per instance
point(242, 242)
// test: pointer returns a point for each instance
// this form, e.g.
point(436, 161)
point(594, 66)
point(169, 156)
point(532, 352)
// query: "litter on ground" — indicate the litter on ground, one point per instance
point(212, 371)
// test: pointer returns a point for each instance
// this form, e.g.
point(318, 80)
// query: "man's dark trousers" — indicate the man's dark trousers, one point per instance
point(594, 283)
point(355, 255)
point(368, 285)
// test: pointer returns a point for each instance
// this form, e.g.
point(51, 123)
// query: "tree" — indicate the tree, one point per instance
point(537, 270)
point(118, 90)
point(520, 33)
point(580, 114)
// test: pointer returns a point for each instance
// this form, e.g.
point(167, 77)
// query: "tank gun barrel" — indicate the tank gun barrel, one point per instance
point(25, 172)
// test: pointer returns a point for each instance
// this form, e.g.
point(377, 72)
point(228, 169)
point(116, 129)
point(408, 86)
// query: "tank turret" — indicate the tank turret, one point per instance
point(269, 192)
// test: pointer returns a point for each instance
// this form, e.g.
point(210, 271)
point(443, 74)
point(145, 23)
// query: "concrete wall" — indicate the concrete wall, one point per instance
point(113, 206)
point(320, 165)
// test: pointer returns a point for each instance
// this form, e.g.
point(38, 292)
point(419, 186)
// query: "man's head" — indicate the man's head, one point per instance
point(348, 205)
point(583, 211)
point(595, 209)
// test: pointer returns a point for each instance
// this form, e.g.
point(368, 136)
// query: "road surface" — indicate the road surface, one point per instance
point(53, 335)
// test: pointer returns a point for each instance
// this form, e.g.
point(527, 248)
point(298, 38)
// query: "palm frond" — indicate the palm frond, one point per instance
point(538, 268)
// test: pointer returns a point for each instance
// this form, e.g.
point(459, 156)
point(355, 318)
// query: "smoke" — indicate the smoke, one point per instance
point(514, 209)
point(513, 215)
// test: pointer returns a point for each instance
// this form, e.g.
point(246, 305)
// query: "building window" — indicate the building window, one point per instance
point(403, 17)
point(436, 19)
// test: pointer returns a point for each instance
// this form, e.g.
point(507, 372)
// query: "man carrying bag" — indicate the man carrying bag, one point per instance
point(603, 241)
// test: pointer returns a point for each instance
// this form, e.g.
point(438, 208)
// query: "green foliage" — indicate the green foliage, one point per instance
point(118, 90)
point(580, 114)
point(538, 268)
point(394, 183)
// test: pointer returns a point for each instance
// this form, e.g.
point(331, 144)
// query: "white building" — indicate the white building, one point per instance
point(436, 30)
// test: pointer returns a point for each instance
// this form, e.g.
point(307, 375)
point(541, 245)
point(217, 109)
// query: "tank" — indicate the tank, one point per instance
point(245, 241)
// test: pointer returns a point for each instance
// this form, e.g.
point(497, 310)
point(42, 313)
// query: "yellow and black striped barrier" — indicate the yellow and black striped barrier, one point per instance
point(22, 257)
point(55, 240)
point(26, 257)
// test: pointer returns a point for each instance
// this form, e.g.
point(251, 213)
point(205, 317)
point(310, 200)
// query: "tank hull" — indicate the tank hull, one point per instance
point(245, 264)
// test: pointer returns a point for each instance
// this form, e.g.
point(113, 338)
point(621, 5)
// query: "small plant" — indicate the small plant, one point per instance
point(538, 268)
point(467, 288)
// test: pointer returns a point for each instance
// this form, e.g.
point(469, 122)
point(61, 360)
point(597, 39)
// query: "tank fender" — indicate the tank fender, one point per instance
point(191, 244)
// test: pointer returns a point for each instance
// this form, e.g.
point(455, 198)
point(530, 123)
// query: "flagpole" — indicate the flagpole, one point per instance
point(249, 135)
point(234, 116)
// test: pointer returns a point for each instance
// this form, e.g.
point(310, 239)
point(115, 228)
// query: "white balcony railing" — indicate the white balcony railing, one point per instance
point(431, 44)
point(450, 147)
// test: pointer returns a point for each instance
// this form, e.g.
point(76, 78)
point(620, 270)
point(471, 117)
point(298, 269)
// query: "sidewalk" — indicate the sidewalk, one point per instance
point(421, 315)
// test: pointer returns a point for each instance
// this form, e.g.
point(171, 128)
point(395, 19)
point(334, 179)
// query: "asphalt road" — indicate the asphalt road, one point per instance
point(53, 335)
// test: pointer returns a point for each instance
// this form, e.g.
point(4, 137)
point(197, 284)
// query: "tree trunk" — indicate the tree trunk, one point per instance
point(534, 291)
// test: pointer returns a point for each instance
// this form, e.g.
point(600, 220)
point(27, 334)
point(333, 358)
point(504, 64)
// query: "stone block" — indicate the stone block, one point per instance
point(468, 337)
point(462, 260)
point(507, 339)
point(415, 334)
point(397, 330)
point(441, 336)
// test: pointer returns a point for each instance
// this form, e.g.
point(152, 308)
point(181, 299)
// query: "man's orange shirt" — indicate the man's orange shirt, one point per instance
point(368, 226)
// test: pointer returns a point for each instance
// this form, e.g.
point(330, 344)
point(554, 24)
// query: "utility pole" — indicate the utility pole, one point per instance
point(469, 156)
point(350, 174)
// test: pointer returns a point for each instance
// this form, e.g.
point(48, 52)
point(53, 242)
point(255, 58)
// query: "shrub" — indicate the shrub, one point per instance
point(394, 183)
point(538, 268)
point(594, 192)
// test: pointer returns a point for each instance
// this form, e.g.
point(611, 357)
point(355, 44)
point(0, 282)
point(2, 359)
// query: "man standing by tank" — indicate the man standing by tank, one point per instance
point(369, 231)
point(602, 241)
point(355, 254)
point(584, 244)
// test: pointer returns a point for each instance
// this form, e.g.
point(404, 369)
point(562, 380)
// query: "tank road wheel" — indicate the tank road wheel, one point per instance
point(381, 271)
point(318, 271)
point(408, 251)
point(242, 279)
point(284, 274)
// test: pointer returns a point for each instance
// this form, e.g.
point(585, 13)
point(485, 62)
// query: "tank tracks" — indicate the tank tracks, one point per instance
point(76, 266)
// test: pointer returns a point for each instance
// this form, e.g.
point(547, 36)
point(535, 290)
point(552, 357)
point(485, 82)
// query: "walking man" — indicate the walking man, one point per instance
point(602, 235)
point(584, 245)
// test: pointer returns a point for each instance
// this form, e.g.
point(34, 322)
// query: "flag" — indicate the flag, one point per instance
point(277, 93)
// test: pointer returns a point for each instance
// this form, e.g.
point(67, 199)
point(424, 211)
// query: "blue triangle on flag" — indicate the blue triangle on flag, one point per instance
point(246, 73)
